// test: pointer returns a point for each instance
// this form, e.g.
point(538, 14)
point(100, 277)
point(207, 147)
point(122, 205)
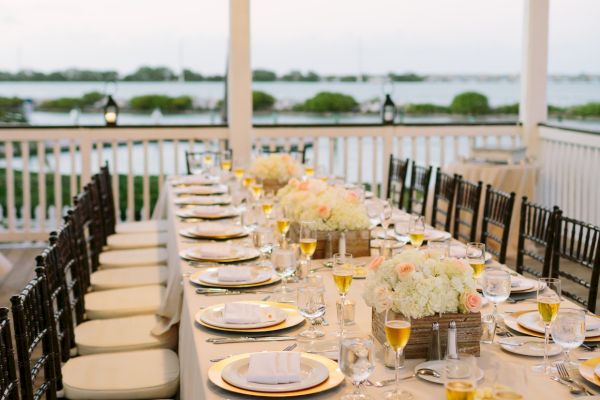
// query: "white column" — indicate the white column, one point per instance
point(534, 70)
point(239, 84)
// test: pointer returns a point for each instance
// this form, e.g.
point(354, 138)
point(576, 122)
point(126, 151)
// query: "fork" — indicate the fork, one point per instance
point(287, 348)
point(563, 372)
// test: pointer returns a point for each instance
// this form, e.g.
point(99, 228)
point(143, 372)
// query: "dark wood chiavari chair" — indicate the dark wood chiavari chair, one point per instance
point(497, 215)
point(536, 235)
point(443, 193)
point(107, 201)
point(466, 210)
point(575, 257)
point(397, 174)
point(34, 332)
point(9, 384)
point(420, 177)
point(193, 157)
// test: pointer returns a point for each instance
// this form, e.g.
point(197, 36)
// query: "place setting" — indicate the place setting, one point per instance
point(208, 212)
point(186, 201)
point(196, 180)
point(224, 252)
point(200, 190)
point(215, 231)
point(233, 277)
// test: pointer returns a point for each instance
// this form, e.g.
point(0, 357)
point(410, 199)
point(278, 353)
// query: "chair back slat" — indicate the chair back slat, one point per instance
point(420, 177)
point(497, 215)
point(536, 236)
point(9, 384)
point(443, 200)
point(107, 200)
point(36, 340)
point(466, 210)
point(576, 259)
point(396, 184)
point(88, 235)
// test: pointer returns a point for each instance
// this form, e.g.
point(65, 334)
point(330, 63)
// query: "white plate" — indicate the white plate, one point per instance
point(203, 200)
point(533, 322)
point(438, 366)
point(214, 316)
point(312, 371)
point(376, 243)
point(214, 230)
point(534, 347)
point(208, 212)
point(430, 233)
point(211, 276)
point(235, 254)
point(459, 251)
point(195, 180)
point(201, 190)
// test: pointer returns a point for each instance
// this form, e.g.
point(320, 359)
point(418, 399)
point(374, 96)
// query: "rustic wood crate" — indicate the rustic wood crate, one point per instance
point(272, 185)
point(468, 332)
point(357, 242)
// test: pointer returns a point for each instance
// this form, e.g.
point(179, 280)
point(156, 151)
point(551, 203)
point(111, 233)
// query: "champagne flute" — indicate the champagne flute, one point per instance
point(208, 160)
point(247, 181)
point(238, 172)
point(311, 304)
point(416, 230)
point(267, 206)
point(397, 332)
point(548, 300)
point(356, 362)
point(343, 272)
point(386, 217)
point(284, 263)
point(308, 239)
point(496, 287)
point(568, 330)
point(476, 257)
point(226, 161)
point(460, 377)
point(283, 222)
point(309, 170)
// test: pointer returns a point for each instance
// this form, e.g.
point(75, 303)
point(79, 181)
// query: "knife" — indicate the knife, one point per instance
point(229, 292)
point(244, 339)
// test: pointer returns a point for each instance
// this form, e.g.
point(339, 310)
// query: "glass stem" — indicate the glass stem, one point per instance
point(341, 316)
point(546, 340)
point(398, 355)
point(567, 357)
point(356, 387)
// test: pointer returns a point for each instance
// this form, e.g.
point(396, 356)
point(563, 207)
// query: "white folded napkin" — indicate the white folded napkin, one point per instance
point(242, 313)
point(234, 274)
point(273, 368)
point(458, 251)
point(216, 250)
point(208, 210)
point(215, 228)
point(516, 281)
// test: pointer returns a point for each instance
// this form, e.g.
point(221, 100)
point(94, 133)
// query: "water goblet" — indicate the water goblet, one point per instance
point(356, 362)
point(548, 301)
point(284, 264)
point(496, 287)
point(386, 216)
point(311, 304)
point(568, 330)
point(397, 332)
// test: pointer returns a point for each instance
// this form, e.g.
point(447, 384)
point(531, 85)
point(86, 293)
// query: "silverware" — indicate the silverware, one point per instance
point(590, 347)
point(267, 297)
point(572, 389)
point(420, 371)
point(225, 292)
point(563, 372)
point(245, 339)
point(518, 344)
point(287, 348)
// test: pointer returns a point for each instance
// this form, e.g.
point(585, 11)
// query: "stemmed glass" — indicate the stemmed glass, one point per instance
point(208, 160)
point(386, 217)
point(284, 263)
point(311, 304)
point(267, 206)
point(496, 287)
point(416, 230)
point(309, 170)
point(308, 239)
point(548, 300)
point(283, 221)
point(238, 172)
point(262, 239)
point(343, 272)
point(356, 362)
point(247, 181)
point(397, 332)
point(568, 330)
point(374, 212)
point(460, 377)
point(476, 257)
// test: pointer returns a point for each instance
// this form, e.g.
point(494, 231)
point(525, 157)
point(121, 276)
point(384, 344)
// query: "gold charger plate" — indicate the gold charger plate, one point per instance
point(586, 369)
point(335, 378)
point(273, 279)
point(186, 234)
point(183, 254)
point(293, 318)
point(511, 322)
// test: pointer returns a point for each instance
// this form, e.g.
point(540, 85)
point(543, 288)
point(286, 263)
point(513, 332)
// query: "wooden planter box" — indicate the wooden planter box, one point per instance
point(357, 242)
point(271, 185)
point(468, 333)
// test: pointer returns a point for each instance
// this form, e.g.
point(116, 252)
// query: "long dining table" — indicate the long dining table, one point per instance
point(182, 303)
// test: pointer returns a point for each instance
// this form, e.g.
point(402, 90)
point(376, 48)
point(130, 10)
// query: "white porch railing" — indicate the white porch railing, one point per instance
point(45, 167)
point(570, 165)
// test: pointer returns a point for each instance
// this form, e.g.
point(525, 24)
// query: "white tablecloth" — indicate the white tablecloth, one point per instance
point(195, 353)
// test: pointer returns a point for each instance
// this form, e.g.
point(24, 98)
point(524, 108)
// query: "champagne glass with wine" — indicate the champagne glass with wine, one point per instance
point(386, 217)
point(267, 205)
point(343, 272)
point(476, 257)
point(397, 332)
point(548, 301)
point(308, 239)
point(283, 221)
point(226, 161)
point(238, 172)
point(416, 230)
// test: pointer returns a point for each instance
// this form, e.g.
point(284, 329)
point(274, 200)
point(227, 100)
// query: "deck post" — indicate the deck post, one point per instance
point(533, 107)
point(239, 84)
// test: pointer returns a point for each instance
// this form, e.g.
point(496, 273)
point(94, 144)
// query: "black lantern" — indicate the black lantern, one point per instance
point(111, 111)
point(388, 111)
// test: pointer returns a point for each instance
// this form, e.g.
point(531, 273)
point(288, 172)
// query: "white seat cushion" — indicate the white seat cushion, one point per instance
point(142, 226)
point(123, 302)
point(122, 334)
point(133, 258)
point(117, 278)
point(146, 374)
point(121, 241)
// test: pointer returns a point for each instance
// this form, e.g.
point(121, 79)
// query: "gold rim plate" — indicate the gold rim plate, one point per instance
point(293, 318)
point(586, 369)
point(186, 234)
point(194, 280)
point(183, 254)
point(335, 378)
point(511, 322)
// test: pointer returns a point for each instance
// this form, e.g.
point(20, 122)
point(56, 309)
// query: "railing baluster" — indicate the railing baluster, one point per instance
point(442, 151)
point(99, 150)
point(331, 155)
point(345, 140)
point(10, 187)
point(26, 187)
point(41, 156)
point(413, 148)
point(359, 151)
point(146, 183)
point(161, 164)
point(316, 151)
point(130, 191)
point(176, 156)
point(73, 180)
point(57, 184)
point(427, 150)
point(374, 167)
point(115, 180)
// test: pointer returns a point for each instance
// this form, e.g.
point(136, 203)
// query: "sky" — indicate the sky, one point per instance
point(329, 37)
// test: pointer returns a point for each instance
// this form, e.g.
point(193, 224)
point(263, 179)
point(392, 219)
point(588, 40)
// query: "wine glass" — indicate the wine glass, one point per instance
point(238, 172)
point(250, 217)
point(386, 217)
point(568, 330)
point(309, 170)
point(284, 264)
point(196, 165)
point(308, 239)
point(475, 254)
point(208, 160)
point(460, 377)
point(283, 221)
point(548, 300)
point(311, 304)
point(416, 230)
point(356, 362)
point(496, 287)
point(247, 181)
point(226, 161)
point(343, 271)
point(256, 189)
point(397, 332)
point(267, 206)
point(374, 212)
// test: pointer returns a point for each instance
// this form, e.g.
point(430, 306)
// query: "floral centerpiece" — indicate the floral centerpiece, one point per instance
point(278, 168)
point(340, 217)
point(420, 285)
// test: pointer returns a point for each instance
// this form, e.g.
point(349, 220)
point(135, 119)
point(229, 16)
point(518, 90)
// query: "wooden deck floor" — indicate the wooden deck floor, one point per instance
point(23, 259)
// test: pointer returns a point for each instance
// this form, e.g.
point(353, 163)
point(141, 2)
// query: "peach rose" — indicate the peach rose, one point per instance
point(404, 270)
point(294, 182)
point(323, 210)
point(291, 169)
point(472, 301)
point(352, 197)
point(375, 263)
point(304, 185)
point(285, 157)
